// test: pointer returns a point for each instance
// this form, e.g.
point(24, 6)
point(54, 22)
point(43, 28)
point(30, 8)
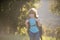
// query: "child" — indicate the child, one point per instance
point(32, 26)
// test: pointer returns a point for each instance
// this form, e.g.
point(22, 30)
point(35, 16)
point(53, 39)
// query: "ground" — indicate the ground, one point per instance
point(21, 37)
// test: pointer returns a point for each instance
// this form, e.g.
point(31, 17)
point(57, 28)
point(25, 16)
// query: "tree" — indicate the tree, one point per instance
point(14, 12)
point(55, 7)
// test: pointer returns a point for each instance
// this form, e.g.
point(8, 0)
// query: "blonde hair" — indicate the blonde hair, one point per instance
point(34, 12)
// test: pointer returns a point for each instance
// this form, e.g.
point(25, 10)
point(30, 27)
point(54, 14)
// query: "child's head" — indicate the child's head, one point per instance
point(32, 13)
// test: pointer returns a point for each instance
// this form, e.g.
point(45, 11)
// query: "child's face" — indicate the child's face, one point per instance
point(31, 15)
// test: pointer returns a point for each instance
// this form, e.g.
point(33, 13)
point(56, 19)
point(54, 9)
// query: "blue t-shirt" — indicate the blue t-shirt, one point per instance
point(34, 28)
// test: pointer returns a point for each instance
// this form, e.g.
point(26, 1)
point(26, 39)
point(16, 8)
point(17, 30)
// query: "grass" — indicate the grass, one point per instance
point(22, 37)
point(48, 38)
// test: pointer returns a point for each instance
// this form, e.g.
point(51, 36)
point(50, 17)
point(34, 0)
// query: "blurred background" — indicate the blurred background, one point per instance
point(13, 14)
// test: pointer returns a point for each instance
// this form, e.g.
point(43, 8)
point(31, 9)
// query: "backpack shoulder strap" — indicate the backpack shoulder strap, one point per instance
point(36, 21)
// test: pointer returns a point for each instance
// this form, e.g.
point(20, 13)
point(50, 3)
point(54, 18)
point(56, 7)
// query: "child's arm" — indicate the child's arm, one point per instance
point(26, 23)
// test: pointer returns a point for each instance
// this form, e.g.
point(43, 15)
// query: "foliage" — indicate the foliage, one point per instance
point(14, 12)
point(58, 33)
point(55, 7)
point(24, 12)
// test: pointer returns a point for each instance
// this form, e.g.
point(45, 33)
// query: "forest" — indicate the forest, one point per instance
point(13, 14)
